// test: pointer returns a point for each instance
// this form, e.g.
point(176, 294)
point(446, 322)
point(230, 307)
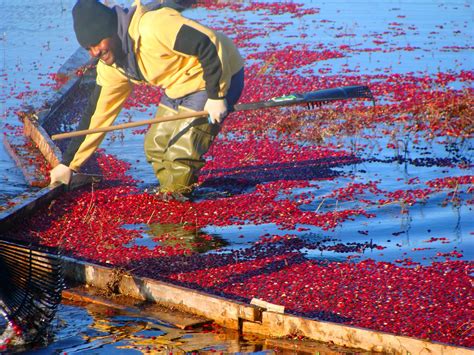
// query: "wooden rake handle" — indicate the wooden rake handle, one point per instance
point(159, 119)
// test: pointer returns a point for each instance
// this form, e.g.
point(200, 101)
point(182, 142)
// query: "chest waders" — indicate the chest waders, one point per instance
point(175, 149)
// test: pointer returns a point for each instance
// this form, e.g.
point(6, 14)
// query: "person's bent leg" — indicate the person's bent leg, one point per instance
point(156, 140)
point(184, 156)
point(176, 148)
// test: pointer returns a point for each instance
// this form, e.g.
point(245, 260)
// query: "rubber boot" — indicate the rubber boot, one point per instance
point(175, 149)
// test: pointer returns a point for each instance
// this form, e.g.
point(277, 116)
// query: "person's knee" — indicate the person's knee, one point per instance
point(191, 144)
point(154, 147)
point(158, 135)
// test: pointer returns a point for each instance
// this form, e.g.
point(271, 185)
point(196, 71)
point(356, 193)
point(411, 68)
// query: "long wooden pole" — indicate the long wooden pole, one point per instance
point(159, 119)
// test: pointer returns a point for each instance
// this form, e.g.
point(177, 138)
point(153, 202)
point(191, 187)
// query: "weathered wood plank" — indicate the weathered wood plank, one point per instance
point(42, 140)
point(281, 325)
point(268, 306)
point(27, 158)
point(178, 319)
point(223, 311)
point(25, 206)
point(236, 315)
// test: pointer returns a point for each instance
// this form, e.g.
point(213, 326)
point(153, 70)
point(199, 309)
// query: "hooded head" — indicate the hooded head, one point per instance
point(179, 5)
point(93, 21)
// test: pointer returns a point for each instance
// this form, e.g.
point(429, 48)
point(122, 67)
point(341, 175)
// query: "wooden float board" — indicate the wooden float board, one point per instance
point(24, 206)
point(281, 325)
point(176, 318)
point(251, 319)
point(223, 311)
point(27, 159)
point(43, 142)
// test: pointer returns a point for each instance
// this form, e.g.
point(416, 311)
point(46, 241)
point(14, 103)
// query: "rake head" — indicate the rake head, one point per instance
point(359, 92)
point(31, 282)
point(321, 97)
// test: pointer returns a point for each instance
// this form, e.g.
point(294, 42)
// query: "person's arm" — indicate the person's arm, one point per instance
point(192, 41)
point(104, 105)
point(203, 45)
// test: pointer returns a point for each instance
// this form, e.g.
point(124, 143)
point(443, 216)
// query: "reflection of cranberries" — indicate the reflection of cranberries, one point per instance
point(17, 329)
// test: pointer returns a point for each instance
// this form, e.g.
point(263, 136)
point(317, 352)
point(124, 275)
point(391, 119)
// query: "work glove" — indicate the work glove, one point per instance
point(61, 173)
point(217, 110)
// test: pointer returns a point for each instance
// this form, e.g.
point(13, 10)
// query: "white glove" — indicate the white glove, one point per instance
point(61, 173)
point(217, 110)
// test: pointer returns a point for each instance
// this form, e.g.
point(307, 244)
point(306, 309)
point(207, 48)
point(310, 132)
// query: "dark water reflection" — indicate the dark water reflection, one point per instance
point(101, 330)
point(94, 329)
point(175, 235)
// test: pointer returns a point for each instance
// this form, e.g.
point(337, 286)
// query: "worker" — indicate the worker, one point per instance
point(197, 67)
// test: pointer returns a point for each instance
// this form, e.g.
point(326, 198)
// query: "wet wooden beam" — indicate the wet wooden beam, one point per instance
point(267, 305)
point(223, 311)
point(81, 297)
point(27, 158)
point(178, 319)
point(250, 319)
point(24, 206)
point(282, 325)
point(43, 142)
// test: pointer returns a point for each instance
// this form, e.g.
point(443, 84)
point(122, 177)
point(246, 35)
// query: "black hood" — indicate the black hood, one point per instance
point(128, 62)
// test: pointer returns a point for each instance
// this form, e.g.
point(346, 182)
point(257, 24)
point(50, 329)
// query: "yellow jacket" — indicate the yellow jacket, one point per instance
point(172, 52)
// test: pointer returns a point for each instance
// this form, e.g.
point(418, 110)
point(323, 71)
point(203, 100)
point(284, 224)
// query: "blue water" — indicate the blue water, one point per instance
point(36, 38)
point(430, 27)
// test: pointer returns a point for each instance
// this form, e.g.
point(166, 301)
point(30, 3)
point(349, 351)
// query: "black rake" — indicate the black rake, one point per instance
point(31, 284)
